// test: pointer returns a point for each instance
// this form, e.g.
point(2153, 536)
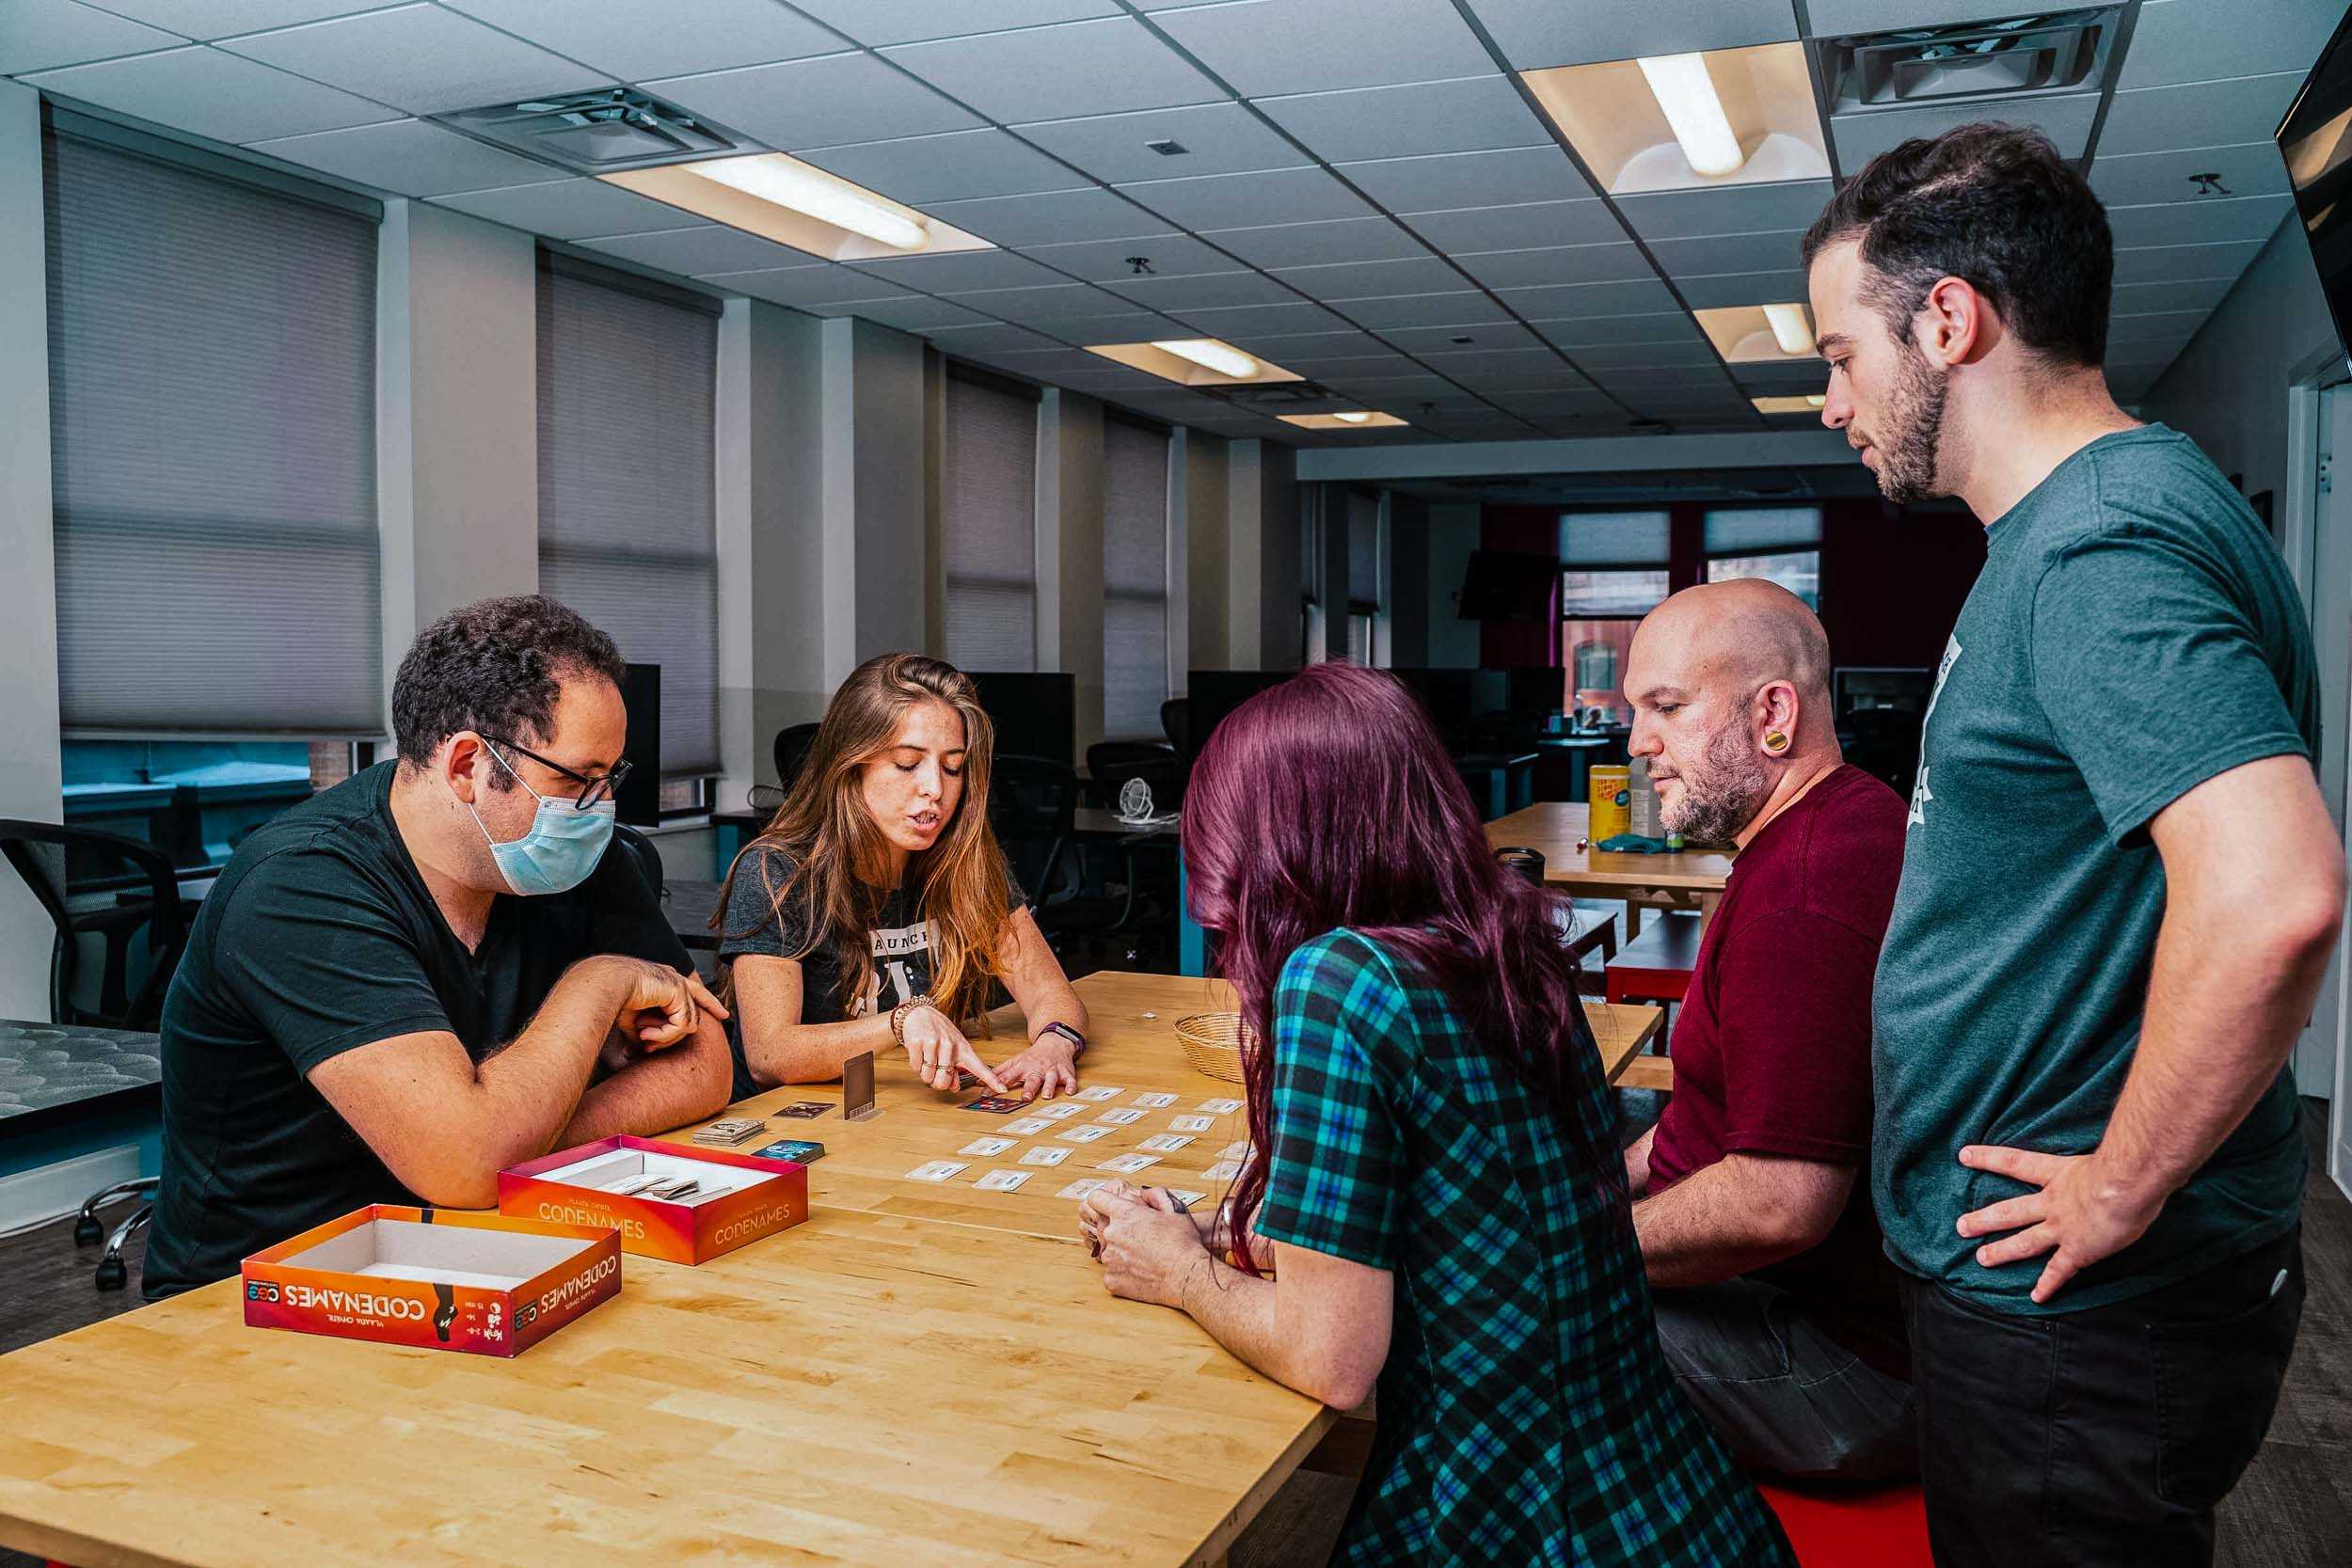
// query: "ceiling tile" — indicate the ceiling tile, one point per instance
point(1657, 326)
point(1831, 17)
point(1575, 263)
point(1742, 288)
point(1589, 301)
point(806, 288)
point(2203, 114)
point(1117, 327)
point(409, 156)
point(827, 102)
point(1271, 46)
point(2184, 174)
point(1347, 280)
point(2161, 326)
point(1457, 180)
point(1208, 291)
point(1054, 217)
point(1802, 375)
point(1339, 370)
point(1546, 372)
point(916, 313)
point(1217, 139)
point(876, 22)
point(1466, 115)
point(959, 271)
point(225, 97)
point(569, 209)
point(1456, 311)
point(953, 167)
point(2202, 40)
point(1594, 357)
point(1568, 400)
point(1081, 67)
point(1720, 253)
point(1455, 336)
point(1248, 200)
point(2184, 263)
point(1724, 210)
point(37, 35)
point(1345, 343)
point(1533, 34)
point(213, 19)
point(1169, 255)
point(1046, 302)
point(629, 40)
point(1306, 244)
point(2216, 220)
point(2200, 294)
point(706, 248)
point(1524, 228)
point(1861, 137)
point(420, 58)
point(1231, 320)
point(995, 338)
point(1494, 348)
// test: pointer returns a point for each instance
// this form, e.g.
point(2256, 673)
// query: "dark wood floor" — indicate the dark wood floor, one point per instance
point(2293, 1509)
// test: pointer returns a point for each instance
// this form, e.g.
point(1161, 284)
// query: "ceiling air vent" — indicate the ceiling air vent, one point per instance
point(1277, 396)
point(2047, 52)
point(595, 132)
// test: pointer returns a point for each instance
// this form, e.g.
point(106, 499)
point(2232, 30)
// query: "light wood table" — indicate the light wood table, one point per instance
point(1691, 879)
point(917, 1374)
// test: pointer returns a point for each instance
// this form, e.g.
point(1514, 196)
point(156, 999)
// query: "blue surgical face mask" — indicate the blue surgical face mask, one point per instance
point(563, 847)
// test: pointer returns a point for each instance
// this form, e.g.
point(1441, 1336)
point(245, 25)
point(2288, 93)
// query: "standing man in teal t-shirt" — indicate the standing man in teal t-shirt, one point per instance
point(2119, 887)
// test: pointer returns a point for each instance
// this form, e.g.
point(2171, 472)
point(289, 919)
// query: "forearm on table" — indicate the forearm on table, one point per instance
point(659, 1090)
point(1742, 1213)
point(812, 1052)
point(524, 1094)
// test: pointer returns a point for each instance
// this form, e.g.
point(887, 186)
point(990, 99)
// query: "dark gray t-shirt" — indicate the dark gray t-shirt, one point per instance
point(2133, 635)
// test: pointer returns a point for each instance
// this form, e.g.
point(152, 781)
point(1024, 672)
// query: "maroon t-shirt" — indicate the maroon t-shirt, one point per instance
point(1772, 1052)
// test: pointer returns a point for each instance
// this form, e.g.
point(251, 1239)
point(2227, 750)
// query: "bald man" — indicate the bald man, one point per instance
point(1776, 1305)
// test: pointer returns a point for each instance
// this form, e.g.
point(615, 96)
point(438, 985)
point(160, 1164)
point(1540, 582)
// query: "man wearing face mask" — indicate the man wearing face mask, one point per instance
point(438, 968)
point(1776, 1306)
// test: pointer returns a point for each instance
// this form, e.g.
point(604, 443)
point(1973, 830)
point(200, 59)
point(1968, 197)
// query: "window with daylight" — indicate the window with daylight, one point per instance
point(1779, 543)
point(1135, 578)
point(1614, 571)
point(628, 375)
point(987, 524)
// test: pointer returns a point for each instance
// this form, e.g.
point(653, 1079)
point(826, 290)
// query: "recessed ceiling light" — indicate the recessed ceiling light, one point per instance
point(1687, 96)
point(1817, 400)
point(1352, 418)
point(779, 197)
point(824, 196)
point(1207, 352)
point(1809, 403)
point(1793, 328)
point(1195, 362)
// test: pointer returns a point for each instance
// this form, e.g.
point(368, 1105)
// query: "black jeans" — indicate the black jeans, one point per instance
point(2101, 1437)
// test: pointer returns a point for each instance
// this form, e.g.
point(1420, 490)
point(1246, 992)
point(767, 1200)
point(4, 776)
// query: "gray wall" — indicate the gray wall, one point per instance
point(1453, 642)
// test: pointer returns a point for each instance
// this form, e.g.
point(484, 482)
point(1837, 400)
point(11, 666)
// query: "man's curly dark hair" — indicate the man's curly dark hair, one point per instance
point(494, 667)
point(1994, 205)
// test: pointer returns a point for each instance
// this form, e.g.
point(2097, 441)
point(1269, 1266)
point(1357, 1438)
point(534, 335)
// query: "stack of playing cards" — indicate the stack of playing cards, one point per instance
point(734, 1130)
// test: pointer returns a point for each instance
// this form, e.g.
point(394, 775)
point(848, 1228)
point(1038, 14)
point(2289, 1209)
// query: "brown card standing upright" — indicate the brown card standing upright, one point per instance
point(857, 1086)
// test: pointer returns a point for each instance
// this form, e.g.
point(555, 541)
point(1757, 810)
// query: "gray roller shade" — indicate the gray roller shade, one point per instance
point(628, 457)
point(1135, 579)
point(211, 371)
point(988, 526)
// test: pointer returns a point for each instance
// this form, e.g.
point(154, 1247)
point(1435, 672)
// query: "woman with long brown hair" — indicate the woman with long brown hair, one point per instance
point(875, 910)
point(1433, 1203)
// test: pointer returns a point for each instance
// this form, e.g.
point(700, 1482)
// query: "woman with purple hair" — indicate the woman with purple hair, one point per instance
point(1433, 1202)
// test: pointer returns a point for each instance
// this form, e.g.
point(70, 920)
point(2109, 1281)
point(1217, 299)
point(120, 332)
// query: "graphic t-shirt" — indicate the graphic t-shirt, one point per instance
point(2134, 634)
point(898, 935)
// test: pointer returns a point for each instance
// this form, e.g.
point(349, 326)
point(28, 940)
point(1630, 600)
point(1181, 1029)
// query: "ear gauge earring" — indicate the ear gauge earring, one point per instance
point(1775, 742)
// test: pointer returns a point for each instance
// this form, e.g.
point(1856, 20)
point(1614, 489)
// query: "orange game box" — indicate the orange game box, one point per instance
point(433, 1278)
point(738, 1197)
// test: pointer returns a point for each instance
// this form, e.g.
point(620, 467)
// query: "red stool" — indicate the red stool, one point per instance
point(1656, 966)
point(1869, 1525)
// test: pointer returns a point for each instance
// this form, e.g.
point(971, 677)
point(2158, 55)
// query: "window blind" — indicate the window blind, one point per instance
point(212, 371)
point(988, 527)
point(1363, 549)
point(1613, 538)
point(627, 520)
point(1751, 528)
point(1135, 578)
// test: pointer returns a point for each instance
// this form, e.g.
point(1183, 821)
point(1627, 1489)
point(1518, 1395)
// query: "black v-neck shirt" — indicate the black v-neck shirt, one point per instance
point(321, 937)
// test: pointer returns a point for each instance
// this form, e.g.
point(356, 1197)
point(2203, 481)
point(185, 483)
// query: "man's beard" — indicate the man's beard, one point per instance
point(1914, 428)
point(1721, 789)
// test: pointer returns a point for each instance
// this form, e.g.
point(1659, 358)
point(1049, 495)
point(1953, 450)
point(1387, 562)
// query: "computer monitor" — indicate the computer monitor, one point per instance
point(1214, 693)
point(1035, 713)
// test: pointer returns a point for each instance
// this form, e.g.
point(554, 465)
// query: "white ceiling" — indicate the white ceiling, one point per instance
point(1366, 197)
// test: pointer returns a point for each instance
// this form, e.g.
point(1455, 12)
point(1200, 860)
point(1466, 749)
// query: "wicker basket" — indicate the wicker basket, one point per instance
point(1212, 1043)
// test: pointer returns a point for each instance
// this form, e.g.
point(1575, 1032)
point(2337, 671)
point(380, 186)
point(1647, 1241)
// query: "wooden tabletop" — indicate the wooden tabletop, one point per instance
point(1553, 828)
point(918, 1374)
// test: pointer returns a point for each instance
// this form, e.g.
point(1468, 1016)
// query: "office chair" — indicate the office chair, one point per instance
point(793, 743)
point(41, 853)
point(1176, 724)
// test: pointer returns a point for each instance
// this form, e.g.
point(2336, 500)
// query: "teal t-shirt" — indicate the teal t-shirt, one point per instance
point(2133, 634)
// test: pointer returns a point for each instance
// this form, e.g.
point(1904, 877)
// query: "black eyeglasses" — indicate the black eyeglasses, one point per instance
point(592, 791)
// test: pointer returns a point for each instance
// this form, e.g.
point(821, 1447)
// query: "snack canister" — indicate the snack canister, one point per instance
point(1612, 790)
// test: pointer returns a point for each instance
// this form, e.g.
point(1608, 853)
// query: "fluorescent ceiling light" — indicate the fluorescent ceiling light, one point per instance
point(1817, 400)
point(790, 184)
point(1809, 403)
point(1793, 328)
point(1353, 416)
point(1693, 112)
point(1211, 355)
point(1353, 419)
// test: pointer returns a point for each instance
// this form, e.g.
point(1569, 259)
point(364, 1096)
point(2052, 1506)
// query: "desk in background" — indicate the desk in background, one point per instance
point(1691, 879)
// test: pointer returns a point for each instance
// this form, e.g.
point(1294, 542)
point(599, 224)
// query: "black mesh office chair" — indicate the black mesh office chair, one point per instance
point(1176, 724)
point(793, 744)
point(133, 893)
point(1032, 806)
